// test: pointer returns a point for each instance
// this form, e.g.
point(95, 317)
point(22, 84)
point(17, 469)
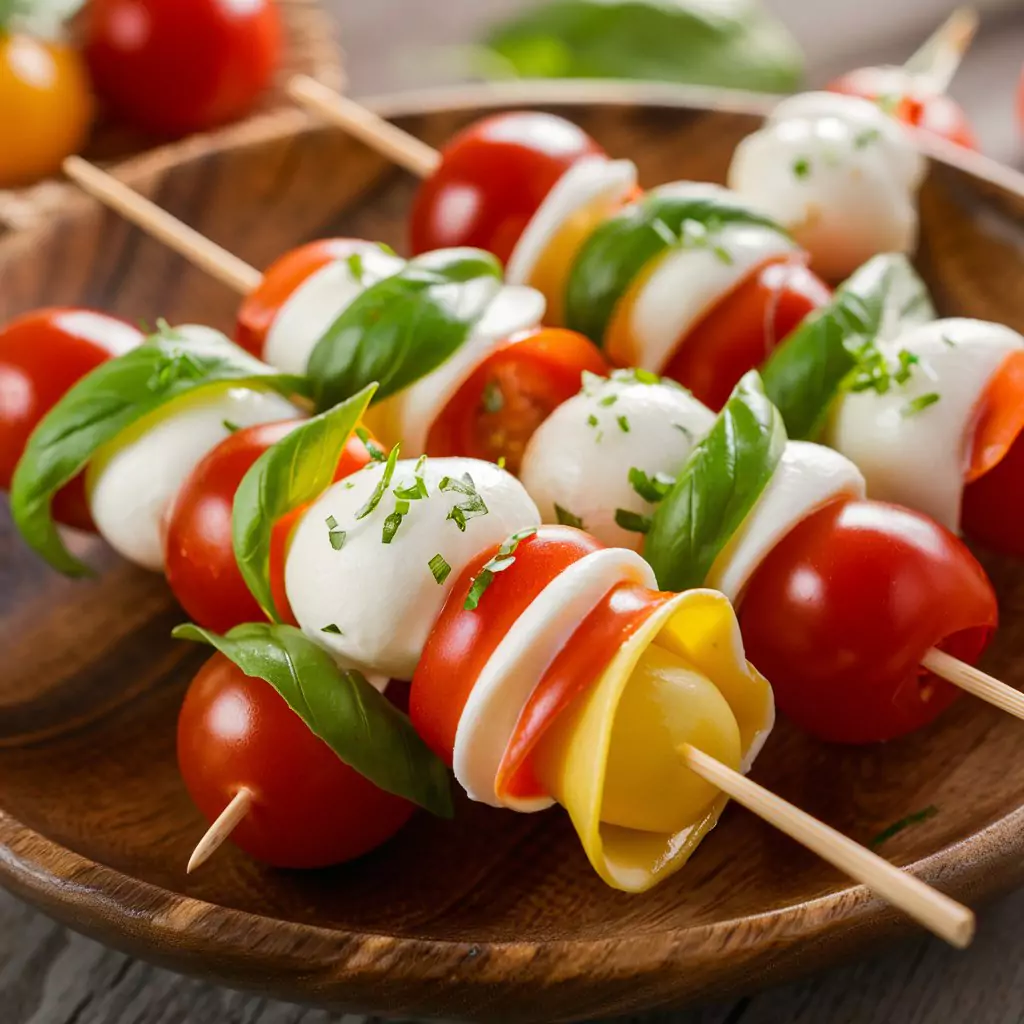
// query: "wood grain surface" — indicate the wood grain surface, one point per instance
point(51, 976)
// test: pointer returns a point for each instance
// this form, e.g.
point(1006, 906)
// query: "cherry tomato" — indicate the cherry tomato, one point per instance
point(910, 102)
point(497, 410)
point(310, 809)
point(493, 177)
point(741, 330)
point(199, 558)
point(461, 641)
point(176, 66)
point(841, 612)
point(42, 354)
point(260, 308)
point(47, 107)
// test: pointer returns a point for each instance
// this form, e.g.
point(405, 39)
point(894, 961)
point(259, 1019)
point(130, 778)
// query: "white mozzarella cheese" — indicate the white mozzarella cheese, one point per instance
point(384, 598)
point(917, 456)
point(412, 412)
point(133, 480)
point(590, 180)
point(113, 335)
point(521, 659)
point(319, 300)
point(580, 457)
point(807, 477)
point(688, 282)
point(839, 173)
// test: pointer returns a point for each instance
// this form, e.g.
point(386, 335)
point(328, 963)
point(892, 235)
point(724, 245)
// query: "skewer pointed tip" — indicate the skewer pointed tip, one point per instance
point(221, 829)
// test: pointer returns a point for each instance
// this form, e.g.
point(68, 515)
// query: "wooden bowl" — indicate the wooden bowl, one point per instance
point(498, 915)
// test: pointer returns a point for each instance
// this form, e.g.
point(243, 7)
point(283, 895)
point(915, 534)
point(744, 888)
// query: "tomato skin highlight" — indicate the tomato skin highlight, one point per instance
point(840, 613)
point(171, 67)
point(309, 809)
point(200, 563)
point(530, 375)
point(462, 641)
point(741, 330)
point(41, 357)
point(493, 177)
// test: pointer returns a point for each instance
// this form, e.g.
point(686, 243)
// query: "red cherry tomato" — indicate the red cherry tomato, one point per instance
point(42, 354)
point(992, 503)
point(509, 395)
point(199, 558)
point(739, 333)
point(309, 809)
point(935, 113)
point(178, 66)
point(841, 612)
point(461, 641)
point(260, 308)
point(493, 177)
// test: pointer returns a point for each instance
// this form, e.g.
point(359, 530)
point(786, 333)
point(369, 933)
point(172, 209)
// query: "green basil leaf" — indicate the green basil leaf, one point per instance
point(806, 373)
point(118, 393)
point(340, 707)
point(616, 253)
point(288, 475)
point(402, 328)
point(718, 486)
point(739, 46)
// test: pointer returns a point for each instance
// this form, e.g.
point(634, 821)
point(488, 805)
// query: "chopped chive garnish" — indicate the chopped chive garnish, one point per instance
point(418, 488)
point(567, 518)
point(802, 167)
point(916, 405)
point(440, 568)
point(651, 488)
point(609, 400)
point(464, 510)
point(336, 536)
point(723, 254)
point(375, 451)
point(503, 559)
point(632, 521)
point(493, 397)
point(332, 628)
point(592, 420)
point(623, 423)
point(355, 266)
point(684, 430)
point(382, 484)
point(898, 826)
point(635, 376)
point(501, 462)
point(947, 340)
point(230, 426)
point(866, 137)
point(394, 521)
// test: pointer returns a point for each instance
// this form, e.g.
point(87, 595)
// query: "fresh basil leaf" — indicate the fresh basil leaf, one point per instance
point(806, 373)
point(739, 46)
point(118, 393)
point(402, 328)
point(340, 707)
point(288, 475)
point(718, 486)
point(624, 245)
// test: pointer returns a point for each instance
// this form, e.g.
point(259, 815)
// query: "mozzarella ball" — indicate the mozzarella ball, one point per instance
point(380, 600)
point(837, 172)
point(578, 462)
point(132, 481)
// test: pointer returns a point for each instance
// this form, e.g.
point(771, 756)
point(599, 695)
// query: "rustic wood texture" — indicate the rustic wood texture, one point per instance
point(496, 916)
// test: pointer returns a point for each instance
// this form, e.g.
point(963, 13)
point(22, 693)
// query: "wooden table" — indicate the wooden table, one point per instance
point(48, 975)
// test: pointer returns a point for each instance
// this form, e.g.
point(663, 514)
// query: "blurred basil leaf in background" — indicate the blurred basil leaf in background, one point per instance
point(43, 19)
point(730, 43)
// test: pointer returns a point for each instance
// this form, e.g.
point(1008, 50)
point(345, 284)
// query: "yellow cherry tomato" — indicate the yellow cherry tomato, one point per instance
point(45, 107)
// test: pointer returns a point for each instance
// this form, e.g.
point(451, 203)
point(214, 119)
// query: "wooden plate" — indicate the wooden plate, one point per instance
point(498, 915)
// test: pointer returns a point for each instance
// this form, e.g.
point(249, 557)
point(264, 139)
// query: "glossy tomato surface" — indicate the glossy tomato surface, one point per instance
point(462, 640)
point(199, 558)
point(493, 177)
point(309, 808)
point(742, 329)
point(992, 504)
point(42, 354)
point(843, 609)
point(46, 107)
point(495, 413)
point(175, 66)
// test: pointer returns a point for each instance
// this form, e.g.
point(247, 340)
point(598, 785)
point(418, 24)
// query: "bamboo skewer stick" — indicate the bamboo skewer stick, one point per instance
point(972, 680)
point(937, 912)
point(228, 820)
point(937, 60)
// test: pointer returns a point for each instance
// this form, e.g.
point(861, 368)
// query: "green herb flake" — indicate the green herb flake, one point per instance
point(651, 488)
point(608, 400)
point(948, 341)
point(387, 249)
point(355, 267)
point(889, 103)
point(418, 488)
point(493, 397)
point(382, 484)
point(865, 138)
point(684, 430)
point(623, 423)
point(440, 568)
point(474, 504)
point(916, 405)
point(501, 462)
point(394, 521)
point(632, 521)
point(230, 426)
point(332, 629)
point(567, 518)
point(374, 450)
point(802, 167)
point(898, 826)
point(504, 559)
point(592, 420)
point(334, 535)
point(723, 255)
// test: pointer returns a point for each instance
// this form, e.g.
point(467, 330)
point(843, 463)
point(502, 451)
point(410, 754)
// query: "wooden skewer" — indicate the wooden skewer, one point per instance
point(402, 148)
point(221, 829)
point(973, 680)
point(197, 248)
point(936, 61)
point(939, 913)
